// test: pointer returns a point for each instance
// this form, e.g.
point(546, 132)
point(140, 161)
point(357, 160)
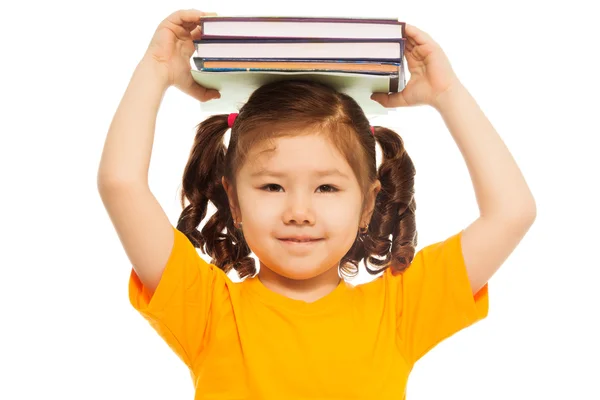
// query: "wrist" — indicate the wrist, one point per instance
point(448, 97)
point(154, 71)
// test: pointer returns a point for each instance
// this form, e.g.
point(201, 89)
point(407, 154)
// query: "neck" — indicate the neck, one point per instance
point(308, 290)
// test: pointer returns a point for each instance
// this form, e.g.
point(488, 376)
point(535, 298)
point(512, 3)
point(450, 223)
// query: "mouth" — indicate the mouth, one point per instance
point(300, 241)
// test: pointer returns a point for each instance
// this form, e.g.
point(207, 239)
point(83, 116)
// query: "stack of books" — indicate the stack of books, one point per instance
point(357, 56)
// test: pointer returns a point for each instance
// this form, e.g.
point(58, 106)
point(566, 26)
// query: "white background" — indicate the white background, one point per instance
point(67, 328)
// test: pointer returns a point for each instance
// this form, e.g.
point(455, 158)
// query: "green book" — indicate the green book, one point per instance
point(237, 86)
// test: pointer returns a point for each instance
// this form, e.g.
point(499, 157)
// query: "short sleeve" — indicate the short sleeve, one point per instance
point(435, 299)
point(179, 308)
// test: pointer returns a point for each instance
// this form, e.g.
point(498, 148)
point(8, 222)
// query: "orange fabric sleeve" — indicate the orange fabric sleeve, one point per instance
point(179, 308)
point(435, 299)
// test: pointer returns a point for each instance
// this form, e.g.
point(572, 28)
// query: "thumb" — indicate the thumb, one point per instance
point(198, 92)
point(390, 100)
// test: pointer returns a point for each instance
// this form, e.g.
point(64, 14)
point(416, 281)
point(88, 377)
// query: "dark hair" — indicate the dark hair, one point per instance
point(284, 108)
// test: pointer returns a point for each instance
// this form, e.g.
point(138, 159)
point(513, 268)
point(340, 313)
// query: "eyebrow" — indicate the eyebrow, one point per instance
point(318, 173)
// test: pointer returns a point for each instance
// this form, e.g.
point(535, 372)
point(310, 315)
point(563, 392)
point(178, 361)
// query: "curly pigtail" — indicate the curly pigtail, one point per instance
point(202, 182)
point(394, 212)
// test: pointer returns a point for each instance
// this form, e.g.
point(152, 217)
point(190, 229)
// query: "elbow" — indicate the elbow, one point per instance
point(110, 182)
point(530, 210)
point(524, 213)
point(519, 213)
point(104, 183)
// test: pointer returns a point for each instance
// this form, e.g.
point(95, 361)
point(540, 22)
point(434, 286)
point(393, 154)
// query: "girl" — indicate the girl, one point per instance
point(298, 185)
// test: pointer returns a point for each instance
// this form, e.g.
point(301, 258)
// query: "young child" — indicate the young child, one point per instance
point(298, 185)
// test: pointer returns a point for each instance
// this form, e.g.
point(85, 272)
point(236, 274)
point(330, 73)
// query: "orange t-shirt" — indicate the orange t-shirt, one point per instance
point(240, 340)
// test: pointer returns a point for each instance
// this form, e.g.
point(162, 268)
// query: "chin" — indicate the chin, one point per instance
point(297, 274)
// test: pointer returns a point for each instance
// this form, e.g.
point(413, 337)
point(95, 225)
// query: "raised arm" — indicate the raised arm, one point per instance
point(141, 224)
point(506, 205)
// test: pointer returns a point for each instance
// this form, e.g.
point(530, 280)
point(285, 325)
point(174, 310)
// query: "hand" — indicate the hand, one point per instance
point(430, 73)
point(172, 47)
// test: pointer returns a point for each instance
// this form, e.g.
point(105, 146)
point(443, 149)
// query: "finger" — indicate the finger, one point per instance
point(189, 19)
point(190, 26)
point(200, 93)
point(196, 34)
point(416, 36)
point(390, 100)
point(191, 15)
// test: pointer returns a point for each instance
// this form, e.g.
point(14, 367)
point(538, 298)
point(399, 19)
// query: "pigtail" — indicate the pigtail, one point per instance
point(394, 213)
point(219, 238)
point(395, 204)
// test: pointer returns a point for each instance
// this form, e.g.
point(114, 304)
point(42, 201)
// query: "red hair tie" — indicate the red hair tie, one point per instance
point(231, 119)
point(373, 130)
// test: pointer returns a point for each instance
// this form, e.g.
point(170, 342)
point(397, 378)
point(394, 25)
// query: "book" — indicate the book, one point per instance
point(315, 48)
point(357, 66)
point(216, 27)
point(236, 87)
point(250, 64)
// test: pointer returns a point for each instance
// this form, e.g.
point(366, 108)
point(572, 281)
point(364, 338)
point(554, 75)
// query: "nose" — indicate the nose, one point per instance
point(299, 210)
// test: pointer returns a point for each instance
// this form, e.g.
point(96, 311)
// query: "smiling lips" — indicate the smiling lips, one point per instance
point(300, 245)
point(300, 239)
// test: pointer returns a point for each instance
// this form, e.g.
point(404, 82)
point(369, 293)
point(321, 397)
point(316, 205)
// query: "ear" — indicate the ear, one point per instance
point(232, 197)
point(370, 203)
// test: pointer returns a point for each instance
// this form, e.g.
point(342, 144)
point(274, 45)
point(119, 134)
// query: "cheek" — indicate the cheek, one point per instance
point(342, 215)
point(258, 211)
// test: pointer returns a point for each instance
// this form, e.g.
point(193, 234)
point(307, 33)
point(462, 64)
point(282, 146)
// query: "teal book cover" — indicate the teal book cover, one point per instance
point(237, 86)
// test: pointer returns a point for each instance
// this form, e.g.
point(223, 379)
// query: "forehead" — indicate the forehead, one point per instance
point(302, 153)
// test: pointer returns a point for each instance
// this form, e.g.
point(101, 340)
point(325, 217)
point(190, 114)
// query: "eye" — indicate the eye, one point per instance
point(331, 189)
point(270, 185)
